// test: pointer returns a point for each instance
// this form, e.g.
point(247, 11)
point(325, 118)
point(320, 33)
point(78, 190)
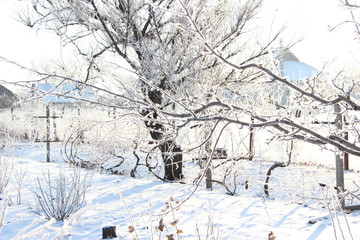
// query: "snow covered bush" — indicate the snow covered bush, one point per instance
point(20, 124)
point(60, 196)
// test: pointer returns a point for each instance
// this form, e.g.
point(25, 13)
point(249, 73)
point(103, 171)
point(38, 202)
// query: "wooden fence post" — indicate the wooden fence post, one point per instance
point(208, 176)
point(47, 133)
point(54, 124)
point(346, 155)
point(340, 186)
point(251, 141)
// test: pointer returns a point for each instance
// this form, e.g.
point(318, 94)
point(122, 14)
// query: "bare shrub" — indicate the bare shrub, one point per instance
point(60, 196)
point(18, 181)
point(333, 202)
point(212, 230)
point(3, 211)
point(6, 167)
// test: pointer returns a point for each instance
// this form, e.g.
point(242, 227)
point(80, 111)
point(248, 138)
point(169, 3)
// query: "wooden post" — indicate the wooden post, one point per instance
point(251, 141)
point(346, 155)
point(340, 186)
point(54, 125)
point(47, 133)
point(12, 113)
point(81, 133)
point(208, 152)
point(208, 176)
point(47, 137)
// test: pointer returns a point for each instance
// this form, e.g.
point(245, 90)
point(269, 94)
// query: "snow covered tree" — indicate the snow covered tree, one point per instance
point(194, 62)
point(313, 97)
point(163, 50)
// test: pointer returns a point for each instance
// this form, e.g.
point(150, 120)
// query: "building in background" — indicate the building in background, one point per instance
point(290, 67)
point(62, 94)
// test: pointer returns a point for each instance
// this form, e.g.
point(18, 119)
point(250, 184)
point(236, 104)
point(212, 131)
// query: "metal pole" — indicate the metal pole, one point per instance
point(340, 186)
point(47, 133)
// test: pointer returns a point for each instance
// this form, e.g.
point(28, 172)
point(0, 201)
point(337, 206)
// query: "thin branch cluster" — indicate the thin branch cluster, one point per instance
point(61, 196)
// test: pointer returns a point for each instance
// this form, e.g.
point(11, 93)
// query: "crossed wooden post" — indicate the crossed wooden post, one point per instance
point(48, 139)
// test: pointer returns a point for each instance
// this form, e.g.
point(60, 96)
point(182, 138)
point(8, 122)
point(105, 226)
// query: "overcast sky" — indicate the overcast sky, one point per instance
point(307, 19)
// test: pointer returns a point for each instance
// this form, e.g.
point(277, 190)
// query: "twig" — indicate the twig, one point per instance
point(128, 213)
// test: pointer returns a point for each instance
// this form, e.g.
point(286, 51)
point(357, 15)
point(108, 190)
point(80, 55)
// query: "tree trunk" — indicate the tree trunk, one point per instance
point(170, 152)
point(172, 158)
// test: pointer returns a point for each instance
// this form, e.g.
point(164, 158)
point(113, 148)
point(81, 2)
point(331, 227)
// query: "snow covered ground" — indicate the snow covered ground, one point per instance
point(140, 203)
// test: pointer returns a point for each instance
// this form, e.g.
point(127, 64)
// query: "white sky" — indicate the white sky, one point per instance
point(310, 20)
point(22, 44)
point(307, 19)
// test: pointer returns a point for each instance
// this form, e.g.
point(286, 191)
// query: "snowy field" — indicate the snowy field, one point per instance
point(140, 207)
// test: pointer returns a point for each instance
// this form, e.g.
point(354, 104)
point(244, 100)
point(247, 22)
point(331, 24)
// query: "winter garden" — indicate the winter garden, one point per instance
point(177, 119)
